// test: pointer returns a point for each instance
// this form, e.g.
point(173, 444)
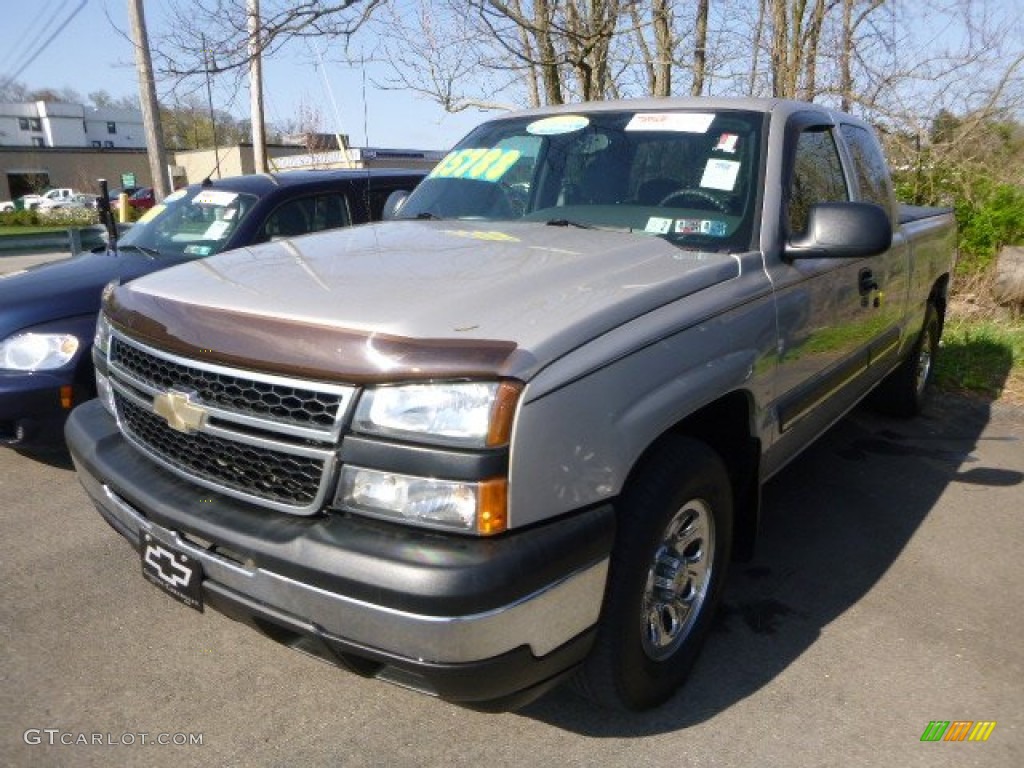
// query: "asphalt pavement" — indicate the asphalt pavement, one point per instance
point(14, 261)
point(884, 596)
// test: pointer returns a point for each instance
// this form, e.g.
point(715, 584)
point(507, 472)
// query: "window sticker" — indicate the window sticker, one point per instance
point(479, 164)
point(216, 230)
point(214, 197)
point(198, 250)
point(678, 122)
point(720, 174)
point(552, 126)
point(152, 213)
point(713, 227)
point(727, 143)
point(658, 225)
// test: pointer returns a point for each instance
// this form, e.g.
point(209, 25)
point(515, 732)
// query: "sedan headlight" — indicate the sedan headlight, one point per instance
point(470, 414)
point(470, 507)
point(37, 351)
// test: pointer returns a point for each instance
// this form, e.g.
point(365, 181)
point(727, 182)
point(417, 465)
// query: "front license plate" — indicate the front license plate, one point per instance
point(177, 574)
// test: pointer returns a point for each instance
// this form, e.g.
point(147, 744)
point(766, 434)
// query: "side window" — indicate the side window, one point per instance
point(869, 166)
point(289, 220)
point(305, 215)
point(817, 177)
point(330, 211)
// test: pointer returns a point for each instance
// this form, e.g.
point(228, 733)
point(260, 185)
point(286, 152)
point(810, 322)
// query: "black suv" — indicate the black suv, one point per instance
point(48, 313)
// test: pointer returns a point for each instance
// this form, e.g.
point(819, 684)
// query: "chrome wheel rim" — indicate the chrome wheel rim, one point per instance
point(924, 366)
point(677, 580)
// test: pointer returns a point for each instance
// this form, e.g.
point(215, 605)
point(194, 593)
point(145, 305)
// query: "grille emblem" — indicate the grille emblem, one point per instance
point(180, 410)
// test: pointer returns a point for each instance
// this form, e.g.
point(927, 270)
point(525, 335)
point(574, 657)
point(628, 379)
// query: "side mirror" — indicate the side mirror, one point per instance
point(842, 231)
point(394, 204)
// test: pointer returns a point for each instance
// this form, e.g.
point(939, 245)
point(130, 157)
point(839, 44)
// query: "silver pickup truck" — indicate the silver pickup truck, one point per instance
point(517, 434)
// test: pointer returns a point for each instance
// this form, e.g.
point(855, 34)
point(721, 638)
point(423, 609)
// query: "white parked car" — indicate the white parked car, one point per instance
point(55, 198)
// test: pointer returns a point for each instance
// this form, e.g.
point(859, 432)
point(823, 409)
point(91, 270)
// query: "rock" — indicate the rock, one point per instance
point(1008, 287)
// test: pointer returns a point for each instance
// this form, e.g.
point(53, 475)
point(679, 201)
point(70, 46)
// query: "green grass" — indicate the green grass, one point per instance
point(30, 230)
point(983, 357)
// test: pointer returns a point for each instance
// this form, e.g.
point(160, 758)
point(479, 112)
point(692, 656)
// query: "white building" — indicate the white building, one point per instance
point(54, 124)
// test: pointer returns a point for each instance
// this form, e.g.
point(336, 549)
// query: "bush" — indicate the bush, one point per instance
point(989, 214)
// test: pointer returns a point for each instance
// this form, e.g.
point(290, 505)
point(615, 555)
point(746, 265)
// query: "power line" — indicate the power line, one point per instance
point(29, 39)
point(45, 44)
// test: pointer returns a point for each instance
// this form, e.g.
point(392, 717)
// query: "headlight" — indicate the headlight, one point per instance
point(470, 507)
point(37, 351)
point(467, 414)
point(102, 339)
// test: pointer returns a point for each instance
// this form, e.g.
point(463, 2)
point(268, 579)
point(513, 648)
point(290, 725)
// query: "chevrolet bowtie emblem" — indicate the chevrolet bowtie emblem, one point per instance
point(181, 412)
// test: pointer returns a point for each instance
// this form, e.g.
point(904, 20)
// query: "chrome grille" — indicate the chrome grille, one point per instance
point(242, 394)
point(268, 439)
point(252, 470)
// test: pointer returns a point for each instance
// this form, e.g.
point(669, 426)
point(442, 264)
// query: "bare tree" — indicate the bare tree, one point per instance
point(180, 55)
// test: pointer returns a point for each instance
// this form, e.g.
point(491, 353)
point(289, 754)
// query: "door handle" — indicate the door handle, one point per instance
point(866, 282)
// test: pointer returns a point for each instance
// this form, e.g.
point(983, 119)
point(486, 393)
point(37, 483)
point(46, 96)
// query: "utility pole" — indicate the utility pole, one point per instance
point(209, 101)
point(150, 106)
point(259, 131)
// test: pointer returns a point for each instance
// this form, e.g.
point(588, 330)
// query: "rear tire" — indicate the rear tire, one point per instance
point(667, 570)
point(905, 391)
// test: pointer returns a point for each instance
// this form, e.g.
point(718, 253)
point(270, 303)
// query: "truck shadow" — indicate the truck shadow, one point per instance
point(833, 523)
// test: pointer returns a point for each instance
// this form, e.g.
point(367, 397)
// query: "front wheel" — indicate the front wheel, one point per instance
point(667, 571)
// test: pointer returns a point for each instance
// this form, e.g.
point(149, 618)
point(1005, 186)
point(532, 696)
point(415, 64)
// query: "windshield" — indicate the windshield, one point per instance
point(690, 177)
point(193, 222)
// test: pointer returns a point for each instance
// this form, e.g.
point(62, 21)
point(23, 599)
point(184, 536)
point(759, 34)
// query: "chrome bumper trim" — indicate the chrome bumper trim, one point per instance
point(543, 620)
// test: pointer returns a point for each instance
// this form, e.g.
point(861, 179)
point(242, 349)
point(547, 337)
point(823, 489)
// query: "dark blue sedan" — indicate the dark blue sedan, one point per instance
point(48, 313)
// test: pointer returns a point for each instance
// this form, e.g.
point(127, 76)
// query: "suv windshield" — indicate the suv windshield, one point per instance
point(190, 222)
point(690, 177)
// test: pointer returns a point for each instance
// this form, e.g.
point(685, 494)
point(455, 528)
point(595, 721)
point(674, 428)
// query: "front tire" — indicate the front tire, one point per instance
point(665, 581)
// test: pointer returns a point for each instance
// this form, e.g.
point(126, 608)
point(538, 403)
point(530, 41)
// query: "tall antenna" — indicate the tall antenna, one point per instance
point(338, 135)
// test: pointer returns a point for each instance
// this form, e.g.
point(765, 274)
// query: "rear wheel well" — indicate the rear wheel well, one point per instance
point(939, 297)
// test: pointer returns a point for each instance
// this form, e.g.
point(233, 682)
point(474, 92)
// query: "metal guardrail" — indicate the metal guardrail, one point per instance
point(73, 240)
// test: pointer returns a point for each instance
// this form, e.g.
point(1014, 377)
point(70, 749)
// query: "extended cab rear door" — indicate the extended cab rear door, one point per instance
point(834, 314)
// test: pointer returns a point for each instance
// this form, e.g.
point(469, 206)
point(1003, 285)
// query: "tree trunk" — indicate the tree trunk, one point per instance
point(700, 49)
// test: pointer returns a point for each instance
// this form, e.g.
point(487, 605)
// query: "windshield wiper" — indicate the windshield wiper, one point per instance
point(152, 253)
point(568, 223)
point(422, 215)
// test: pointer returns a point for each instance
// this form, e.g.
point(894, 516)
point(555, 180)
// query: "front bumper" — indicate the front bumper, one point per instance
point(30, 407)
point(487, 622)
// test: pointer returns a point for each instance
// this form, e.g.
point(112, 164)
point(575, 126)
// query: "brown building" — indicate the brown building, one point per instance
point(195, 165)
point(34, 169)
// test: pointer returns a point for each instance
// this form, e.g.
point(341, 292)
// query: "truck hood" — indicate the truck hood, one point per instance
point(68, 288)
point(512, 296)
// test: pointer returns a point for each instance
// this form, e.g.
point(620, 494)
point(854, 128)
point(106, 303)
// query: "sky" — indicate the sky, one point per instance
point(92, 53)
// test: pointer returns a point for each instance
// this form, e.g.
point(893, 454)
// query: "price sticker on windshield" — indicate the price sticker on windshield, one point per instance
point(479, 164)
point(214, 197)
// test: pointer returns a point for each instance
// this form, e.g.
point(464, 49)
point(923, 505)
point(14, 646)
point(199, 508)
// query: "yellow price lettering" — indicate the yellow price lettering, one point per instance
point(444, 168)
point(500, 168)
point(483, 163)
point(486, 164)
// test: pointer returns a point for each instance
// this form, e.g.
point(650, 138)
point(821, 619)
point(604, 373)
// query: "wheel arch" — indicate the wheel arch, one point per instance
point(726, 425)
